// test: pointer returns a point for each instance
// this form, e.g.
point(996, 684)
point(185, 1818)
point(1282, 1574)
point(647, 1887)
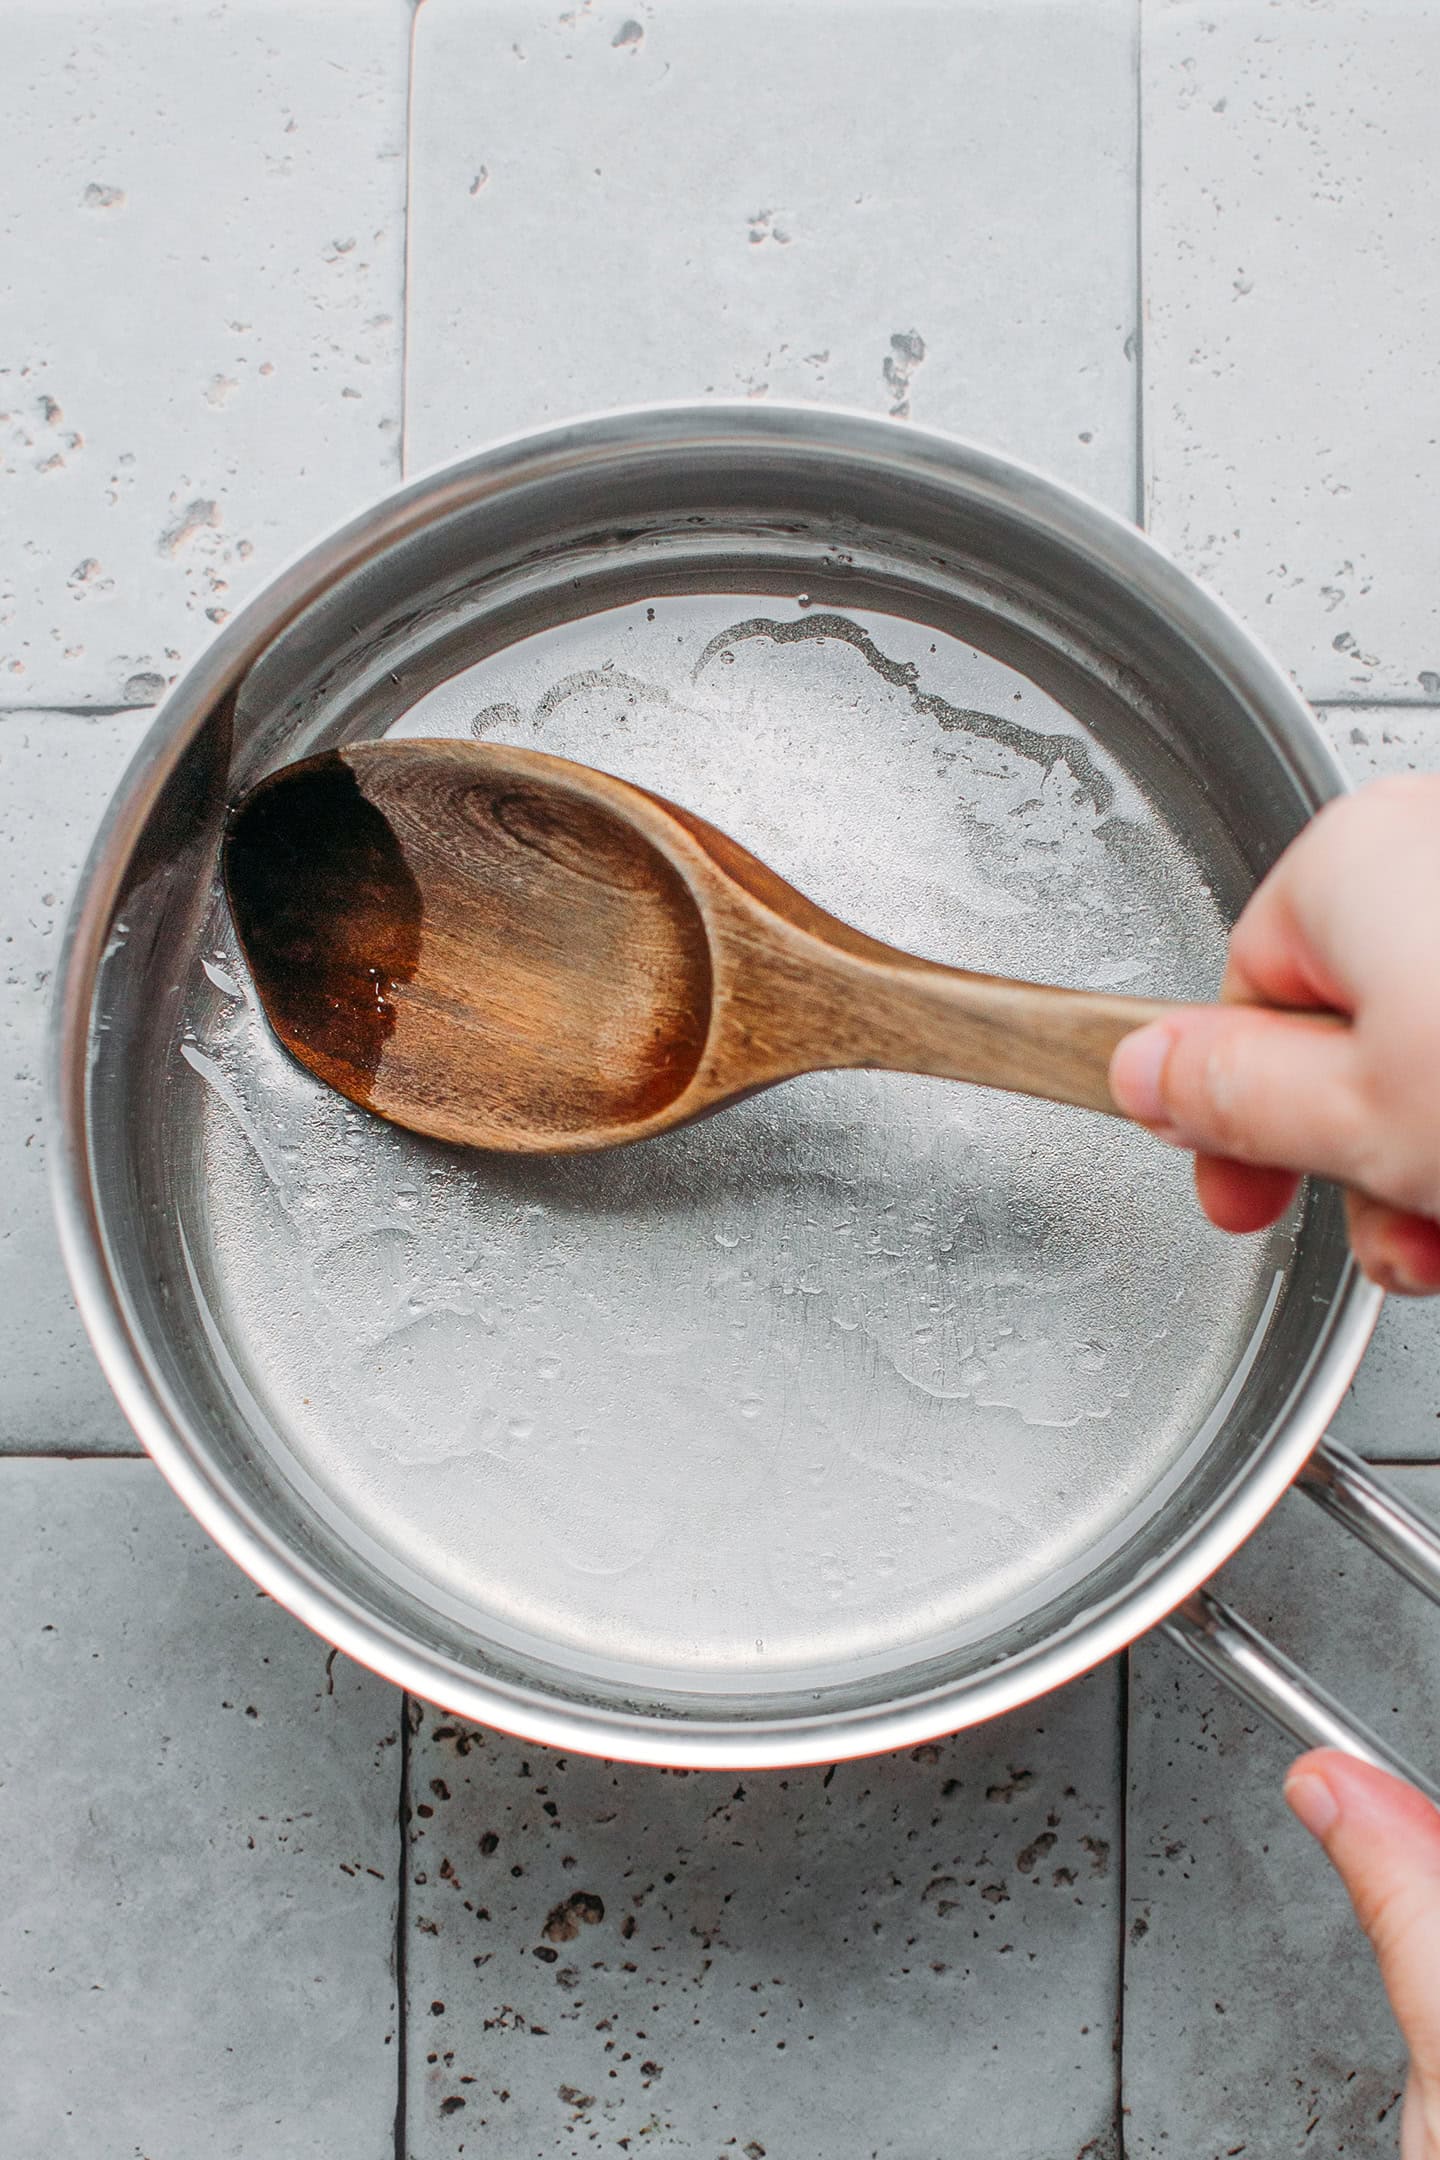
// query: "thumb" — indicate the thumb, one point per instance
point(1249, 1083)
point(1383, 1839)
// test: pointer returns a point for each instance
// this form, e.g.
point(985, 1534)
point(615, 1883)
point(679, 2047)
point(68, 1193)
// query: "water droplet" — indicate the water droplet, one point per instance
point(222, 979)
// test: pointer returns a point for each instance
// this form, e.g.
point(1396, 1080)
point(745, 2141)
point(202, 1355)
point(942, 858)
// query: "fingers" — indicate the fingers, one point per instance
point(1368, 861)
point(1252, 1085)
point(1277, 952)
point(1398, 1251)
point(1242, 1196)
point(1260, 1089)
point(1383, 1838)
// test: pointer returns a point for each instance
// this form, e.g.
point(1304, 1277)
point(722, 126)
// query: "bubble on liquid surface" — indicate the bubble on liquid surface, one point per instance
point(850, 1366)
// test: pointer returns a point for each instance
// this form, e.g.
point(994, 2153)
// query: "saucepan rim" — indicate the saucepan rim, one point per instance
point(1054, 512)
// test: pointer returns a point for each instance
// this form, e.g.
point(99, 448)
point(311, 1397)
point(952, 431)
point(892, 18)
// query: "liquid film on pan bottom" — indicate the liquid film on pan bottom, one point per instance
point(839, 1377)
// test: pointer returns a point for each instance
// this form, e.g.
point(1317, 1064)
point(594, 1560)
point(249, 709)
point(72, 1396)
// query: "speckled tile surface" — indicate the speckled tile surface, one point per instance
point(1372, 740)
point(1292, 325)
point(1255, 2022)
point(744, 199)
point(199, 1861)
point(933, 208)
point(56, 776)
point(201, 227)
point(1391, 1410)
point(806, 1964)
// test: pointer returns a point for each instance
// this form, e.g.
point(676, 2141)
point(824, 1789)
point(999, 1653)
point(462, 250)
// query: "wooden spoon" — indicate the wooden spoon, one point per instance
point(504, 949)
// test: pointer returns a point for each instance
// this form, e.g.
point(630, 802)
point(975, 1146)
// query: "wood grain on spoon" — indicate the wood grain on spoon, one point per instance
point(511, 951)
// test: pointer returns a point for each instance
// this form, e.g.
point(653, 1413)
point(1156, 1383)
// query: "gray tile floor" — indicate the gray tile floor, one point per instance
point(57, 772)
point(220, 229)
point(201, 1858)
point(1251, 2023)
point(798, 1962)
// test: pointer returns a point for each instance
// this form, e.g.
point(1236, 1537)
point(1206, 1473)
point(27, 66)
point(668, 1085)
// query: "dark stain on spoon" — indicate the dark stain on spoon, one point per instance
point(327, 911)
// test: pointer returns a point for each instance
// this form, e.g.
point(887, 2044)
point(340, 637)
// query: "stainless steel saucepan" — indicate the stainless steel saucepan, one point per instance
point(876, 1406)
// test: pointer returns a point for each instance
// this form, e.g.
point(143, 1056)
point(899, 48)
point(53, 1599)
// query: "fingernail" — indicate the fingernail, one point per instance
point(1311, 1799)
point(1137, 1070)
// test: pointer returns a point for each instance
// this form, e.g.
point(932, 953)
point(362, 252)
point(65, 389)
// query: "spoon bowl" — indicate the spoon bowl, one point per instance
point(502, 948)
point(470, 947)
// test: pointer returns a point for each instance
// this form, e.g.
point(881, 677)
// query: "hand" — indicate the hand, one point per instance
point(1347, 921)
point(1384, 1840)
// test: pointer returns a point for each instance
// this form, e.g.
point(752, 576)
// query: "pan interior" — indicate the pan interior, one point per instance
point(867, 1372)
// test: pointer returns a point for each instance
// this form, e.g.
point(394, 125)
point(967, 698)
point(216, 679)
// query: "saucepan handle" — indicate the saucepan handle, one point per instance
point(1271, 1683)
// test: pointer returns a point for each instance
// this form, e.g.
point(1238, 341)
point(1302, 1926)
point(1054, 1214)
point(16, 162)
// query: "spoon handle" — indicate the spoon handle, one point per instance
point(907, 1016)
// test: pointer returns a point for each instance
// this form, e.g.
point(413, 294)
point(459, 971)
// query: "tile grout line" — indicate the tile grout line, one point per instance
point(415, 7)
point(1139, 493)
point(402, 1927)
point(9, 1455)
point(1122, 1894)
point(402, 1812)
point(74, 712)
point(1373, 704)
point(1122, 1747)
point(1123, 1662)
